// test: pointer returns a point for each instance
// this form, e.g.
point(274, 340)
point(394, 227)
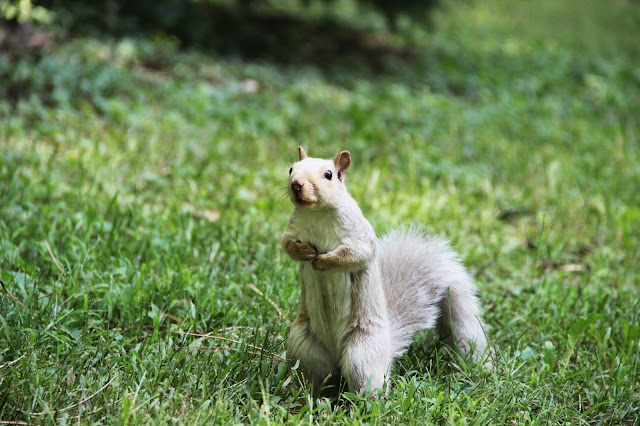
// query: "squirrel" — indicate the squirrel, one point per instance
point(364, 299)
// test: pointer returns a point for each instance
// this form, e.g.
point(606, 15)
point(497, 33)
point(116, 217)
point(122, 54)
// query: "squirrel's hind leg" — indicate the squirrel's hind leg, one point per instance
point(315, 361)
point(366, 361)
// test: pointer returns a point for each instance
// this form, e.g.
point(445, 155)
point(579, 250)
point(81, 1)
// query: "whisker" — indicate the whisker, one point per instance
point(275, 192)
point(281, 193)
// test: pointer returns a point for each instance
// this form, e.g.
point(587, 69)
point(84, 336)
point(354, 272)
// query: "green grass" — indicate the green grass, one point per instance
point(142, 202)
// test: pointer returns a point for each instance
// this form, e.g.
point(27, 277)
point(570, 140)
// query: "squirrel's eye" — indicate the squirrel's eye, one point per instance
point(290, 170)
point(328, 174)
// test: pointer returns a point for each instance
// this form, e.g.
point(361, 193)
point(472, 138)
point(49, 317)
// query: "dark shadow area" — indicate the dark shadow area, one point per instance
point(248, 30)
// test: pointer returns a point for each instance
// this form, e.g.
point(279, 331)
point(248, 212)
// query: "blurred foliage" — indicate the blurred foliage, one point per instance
point(246, 28)
point(307, 32)
point(23, 11)
point(192, 17)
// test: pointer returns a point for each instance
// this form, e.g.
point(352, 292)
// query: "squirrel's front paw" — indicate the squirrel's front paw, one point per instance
point(322, 263)
point(300, 251)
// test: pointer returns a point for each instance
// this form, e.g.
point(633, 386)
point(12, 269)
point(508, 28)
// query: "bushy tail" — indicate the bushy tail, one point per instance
point(426, 286)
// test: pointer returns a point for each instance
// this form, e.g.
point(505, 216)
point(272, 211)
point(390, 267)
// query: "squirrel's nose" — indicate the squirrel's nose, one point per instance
point(296, 186)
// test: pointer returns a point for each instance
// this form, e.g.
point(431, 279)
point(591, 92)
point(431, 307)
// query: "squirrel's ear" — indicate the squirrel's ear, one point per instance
point(301, 153)
point(342, 162)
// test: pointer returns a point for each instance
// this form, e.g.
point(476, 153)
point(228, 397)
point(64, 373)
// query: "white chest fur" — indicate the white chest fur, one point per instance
point(327, 293)
point(322, 230)
point(328, 301)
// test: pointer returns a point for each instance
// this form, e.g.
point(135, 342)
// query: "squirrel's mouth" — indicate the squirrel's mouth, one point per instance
point(302, 199)
point(299, 201)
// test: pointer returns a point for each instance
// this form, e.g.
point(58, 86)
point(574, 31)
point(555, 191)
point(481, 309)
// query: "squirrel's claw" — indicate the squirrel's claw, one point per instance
point(300, 251)
point(307, 251)
point(321, 263)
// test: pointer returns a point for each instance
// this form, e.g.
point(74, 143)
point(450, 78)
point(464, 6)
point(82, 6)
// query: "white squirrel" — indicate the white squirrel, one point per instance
point(363, 300)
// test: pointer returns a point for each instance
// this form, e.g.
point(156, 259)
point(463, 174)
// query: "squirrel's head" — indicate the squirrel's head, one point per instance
point(318, 184)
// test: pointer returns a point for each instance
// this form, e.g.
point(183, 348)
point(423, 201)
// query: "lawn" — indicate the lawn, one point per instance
point(143, 196)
